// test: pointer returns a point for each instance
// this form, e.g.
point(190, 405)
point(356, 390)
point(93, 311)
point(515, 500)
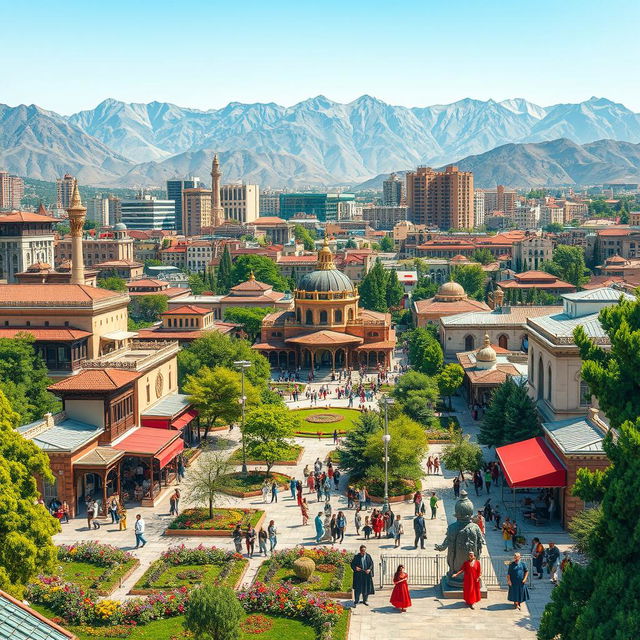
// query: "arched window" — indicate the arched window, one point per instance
point(298, 315)
point(549, 383)
point(309, 317)
point(469, 343)
point(337, 316)
point(323, 317)
point(350, 316)
point(503, 341)
point(540, 379)
point(532, 375)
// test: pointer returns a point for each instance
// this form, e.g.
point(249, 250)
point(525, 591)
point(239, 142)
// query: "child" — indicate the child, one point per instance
point(122, 513)
point(367, 529)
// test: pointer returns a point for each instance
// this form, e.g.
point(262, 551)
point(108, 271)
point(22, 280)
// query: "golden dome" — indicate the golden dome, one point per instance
point(487, 353)
point(451, 291)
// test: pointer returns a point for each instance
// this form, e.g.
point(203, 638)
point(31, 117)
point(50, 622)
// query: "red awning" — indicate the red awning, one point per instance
point(184, 419)
point(147, 441)
point(531, 464)
point(168, 454)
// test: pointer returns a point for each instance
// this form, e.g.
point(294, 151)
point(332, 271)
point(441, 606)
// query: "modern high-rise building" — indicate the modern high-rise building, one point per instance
point(269, 203)
point(98, 210)
point(241, 202)
point(115, 212)
point(392, 191)
point(500, 199)
point(148, 212)
point(64, 189)
point(11, 191)
point(478, 208)
point(443, 199)
point(175, 189)
point(323, 206)
point(384, 217)
point(196, 211)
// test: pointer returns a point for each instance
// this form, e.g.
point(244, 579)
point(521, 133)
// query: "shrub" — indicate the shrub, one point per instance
point(214, 612)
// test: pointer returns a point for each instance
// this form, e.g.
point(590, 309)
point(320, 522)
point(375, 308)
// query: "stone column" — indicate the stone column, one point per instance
point(77, 214)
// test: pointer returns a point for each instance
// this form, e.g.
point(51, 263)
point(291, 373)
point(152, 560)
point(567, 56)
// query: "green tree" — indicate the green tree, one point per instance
point(214, 613)
point(151, 262)
point(147, 308)
point(305, 236)
point(417, 396)
point(352, 449)
point(386, 244)
point(394, 290)
point(450, 380)
point(224, 275)
point(568, 264)
point(208, 478)
point(113, 283)
point(554, 227)
point(351, 244)
point(197, 284)
point(462, 454)
point(26, 528)
point(23, 378)
point(425, 288)
point(264, 270)
point(216, 349)
point(373, 289)
point(425, 352)
point(510, 417)
point(250, 318)
point(268, 431)
point(216, 394)
point(483, 256)
point(472, 278)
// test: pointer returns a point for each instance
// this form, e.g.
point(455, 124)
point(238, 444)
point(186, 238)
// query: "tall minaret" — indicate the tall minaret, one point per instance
point(217, 211)
point(77, 214)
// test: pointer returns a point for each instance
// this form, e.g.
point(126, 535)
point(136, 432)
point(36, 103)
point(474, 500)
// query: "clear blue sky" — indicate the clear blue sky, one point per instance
point(68, 56)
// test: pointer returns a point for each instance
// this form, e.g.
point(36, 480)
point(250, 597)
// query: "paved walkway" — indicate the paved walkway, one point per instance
point(430, 614)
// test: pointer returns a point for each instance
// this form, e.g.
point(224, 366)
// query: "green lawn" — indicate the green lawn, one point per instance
point(350, 417)
point(253, 480)
point(171, 578)
point(223, 519)
point(86, 575)
point(320, 579)
point(290, 456)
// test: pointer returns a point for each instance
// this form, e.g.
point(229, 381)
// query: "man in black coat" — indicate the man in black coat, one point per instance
point(420, 529)
point(362, 565)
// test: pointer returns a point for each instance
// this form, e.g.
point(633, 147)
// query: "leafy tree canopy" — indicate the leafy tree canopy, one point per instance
point(462, 454)
point(263, 268)
point(386, 244)
point(483, 256)
point(147, 308)
point(113, 283)
point(472, 278)
point(305, 236)
point(250, 318)
point(450, 380)
point(214, 613)
point(425, 352)
point(568, 264)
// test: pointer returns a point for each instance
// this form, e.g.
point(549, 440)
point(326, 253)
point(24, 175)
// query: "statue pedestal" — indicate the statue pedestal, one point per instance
point(449, 593)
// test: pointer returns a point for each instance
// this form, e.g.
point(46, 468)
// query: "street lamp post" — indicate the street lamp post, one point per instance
point(243, 364)
point(386, 438)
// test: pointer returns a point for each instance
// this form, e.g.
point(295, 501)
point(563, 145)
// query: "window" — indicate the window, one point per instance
point(323, 317)
point(350, 315)
point(309, 317)
point(469, 343)
point(338, 316)
point(549, 383)
point(503, 341)
point(585, 394)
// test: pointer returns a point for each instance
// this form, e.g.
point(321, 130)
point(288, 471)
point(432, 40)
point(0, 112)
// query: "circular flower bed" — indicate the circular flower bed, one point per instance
point(223, 519)
point(324, 418)
point(256, 623)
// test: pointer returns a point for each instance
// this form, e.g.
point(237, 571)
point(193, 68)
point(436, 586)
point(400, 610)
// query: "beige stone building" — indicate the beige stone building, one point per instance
point(114, 246)
point(530, 252)
point(196, 210)
point(451, 299)
point(241, 202)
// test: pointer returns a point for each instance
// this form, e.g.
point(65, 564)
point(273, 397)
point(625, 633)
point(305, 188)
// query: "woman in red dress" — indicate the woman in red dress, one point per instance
point(377, 523)
point(400, 597)
point(471, 584)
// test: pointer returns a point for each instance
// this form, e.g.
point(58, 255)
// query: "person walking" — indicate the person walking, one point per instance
point(341, 524)
point(400, 597)
point(113, 510)
point(250, 539)
point(477, 482)
point(487, 480)
point(299, 492)
point(180, 470)
point(273, 535)
point(397, 530)
point(433, 503)
point(362, 566)
point(292, 488)
point(333, 528)
point(335, 437)
point(456, 487)
point(471, 583)
point(429, 465)
point(139, 531)
point(327, 489)
point(552, 555)
point(537, 551)
point(319, 527)
point(357, 521)
point(262, 541)
point(517, 574)
point(336, 479)
point(237, 538)
point(420, 530)
point(507, 533)
point(274, 492)
point(367, 529)
point(436, 466)
point(304, 508)
point(266, 487)
point(417, 502)
point(311, 483)
point(91, 506)
point(122, 517)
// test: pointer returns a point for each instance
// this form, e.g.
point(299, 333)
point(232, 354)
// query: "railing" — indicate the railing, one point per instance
point(428, 570)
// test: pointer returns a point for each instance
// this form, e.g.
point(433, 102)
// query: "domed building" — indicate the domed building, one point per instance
point(450, 300)
point(326, 327)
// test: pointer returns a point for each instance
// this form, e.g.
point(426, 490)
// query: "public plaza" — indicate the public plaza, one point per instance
point(431, 615)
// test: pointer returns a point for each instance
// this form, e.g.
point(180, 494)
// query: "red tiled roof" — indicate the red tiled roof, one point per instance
point(179, 249)
point(147, 282)
point(325, 337)
point(96, 380)
point(305, 258)
point(58, 334)
point(171, 292)
point(268, 220)
point(117, 263)
point(615, 231)
point(430, 305)
point(187, 309)
point(25, 216)
point(252, 285)
point(54, 293)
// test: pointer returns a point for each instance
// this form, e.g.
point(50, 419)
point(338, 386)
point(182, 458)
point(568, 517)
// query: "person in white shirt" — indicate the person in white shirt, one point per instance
point(139, 531)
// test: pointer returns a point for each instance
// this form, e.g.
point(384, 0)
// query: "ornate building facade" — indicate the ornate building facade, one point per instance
point(326, 327)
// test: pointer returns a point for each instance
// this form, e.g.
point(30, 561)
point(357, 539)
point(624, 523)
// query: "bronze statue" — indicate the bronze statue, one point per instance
point(462, 536)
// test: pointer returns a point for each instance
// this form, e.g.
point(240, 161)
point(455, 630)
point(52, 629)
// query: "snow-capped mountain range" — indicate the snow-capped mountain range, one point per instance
point(315, 142)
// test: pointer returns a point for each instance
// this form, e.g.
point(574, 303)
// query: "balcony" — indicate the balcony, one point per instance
point(136, 356)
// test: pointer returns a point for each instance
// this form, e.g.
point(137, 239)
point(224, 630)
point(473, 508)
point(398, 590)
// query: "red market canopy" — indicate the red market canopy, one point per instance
point(184, 419)
point(162, 444)
point(531, 464)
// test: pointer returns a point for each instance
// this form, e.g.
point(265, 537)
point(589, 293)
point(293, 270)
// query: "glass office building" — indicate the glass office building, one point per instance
point(148, 213)
point(323, 206)
point(175, 188)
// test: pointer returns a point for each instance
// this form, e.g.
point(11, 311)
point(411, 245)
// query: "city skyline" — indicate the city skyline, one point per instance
point(288, 53)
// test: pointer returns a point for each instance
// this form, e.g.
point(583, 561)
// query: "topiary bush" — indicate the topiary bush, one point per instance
point(304, 568)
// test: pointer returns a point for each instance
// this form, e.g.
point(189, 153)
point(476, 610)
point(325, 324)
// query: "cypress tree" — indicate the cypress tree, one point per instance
point(224, 277)
point(395, 292)
point(373, 289)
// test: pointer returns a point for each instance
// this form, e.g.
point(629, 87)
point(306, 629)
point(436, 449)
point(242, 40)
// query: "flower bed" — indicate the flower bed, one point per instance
point(333, 575)
point(196, 522)
point(250, 484)
point(187, 567)
point(290, 459)
point(289, 601)
point(94, 566)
